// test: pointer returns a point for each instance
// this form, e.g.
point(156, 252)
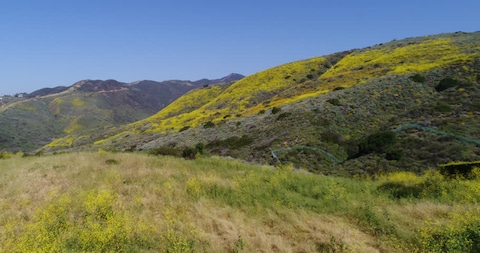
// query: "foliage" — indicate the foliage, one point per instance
point(209, 125)
point(332, 137)
point(418, 78)
point(446, 83)
point(442, 108)
point(170, 151)
point(461, 234)
point(95, 226)
point(418, 57)
point(233, 142)
point(378, 142)
point(189, 153)
point(283, 115)
point(5, 155)
point(459, 169)
point(146, 203)
point(402, 73)
point(276, 110)
point(200, 147)
point(184, 128)
point(334, 101)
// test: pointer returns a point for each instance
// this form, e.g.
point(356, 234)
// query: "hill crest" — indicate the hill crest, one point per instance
point(331, 103)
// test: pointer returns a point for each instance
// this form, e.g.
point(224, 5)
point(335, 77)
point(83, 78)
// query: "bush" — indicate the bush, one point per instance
point(189, 153)
point(399, 190)
point(334, 101)
point(5, 155)
point(459, 169)
point(395, 154)
point(442, 108)
point(283, 115)
point(417, 78)
point(111, 162)
point(209, 125)
point(165, 151)
point(183, 128)
point(378, 143)
point(276, 110)
point(200, 147)
point(446, 83)
point(331, 136)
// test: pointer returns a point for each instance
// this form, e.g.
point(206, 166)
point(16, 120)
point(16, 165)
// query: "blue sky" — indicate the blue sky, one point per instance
point(52, 43)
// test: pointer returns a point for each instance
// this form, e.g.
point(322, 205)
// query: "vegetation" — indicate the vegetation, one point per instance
point(85, 202)
point(399, 73)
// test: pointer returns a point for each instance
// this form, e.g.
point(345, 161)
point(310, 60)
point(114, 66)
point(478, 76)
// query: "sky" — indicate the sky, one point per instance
point(49, 43)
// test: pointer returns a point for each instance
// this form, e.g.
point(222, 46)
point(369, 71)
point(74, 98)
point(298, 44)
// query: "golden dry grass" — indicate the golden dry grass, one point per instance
point(138, 203)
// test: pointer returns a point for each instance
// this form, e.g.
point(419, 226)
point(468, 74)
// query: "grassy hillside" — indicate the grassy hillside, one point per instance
point(298, 80)
point(88, 106)
point(124, 202)
point(330, 104)
point(31, 123)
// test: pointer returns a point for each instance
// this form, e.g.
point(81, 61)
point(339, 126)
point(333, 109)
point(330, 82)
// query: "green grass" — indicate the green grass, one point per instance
point(125, 202)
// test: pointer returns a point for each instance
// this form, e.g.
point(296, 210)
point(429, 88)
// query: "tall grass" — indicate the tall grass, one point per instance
point(105, 202)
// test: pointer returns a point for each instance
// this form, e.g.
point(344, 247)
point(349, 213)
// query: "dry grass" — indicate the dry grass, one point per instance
point(134, 202)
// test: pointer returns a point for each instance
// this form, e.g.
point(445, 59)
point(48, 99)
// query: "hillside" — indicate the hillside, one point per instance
point(122, 202)
point(35, 120)
point(330, 106)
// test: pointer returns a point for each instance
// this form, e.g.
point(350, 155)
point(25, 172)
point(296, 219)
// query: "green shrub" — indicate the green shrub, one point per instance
point(442, 108)
point(276, 110)
point(332, 137)
point(446, 83)
point(462, 237)
point(334, 101)
point(417, 78)
point(378, 143)
point(399, 190)
point(458, 169)
point(209, 125)
point(200, 147)
point(283, 115)
point(111, 161)
point(189, 153)
point(184, 128)
point(5, 155)
point(170, 151)
point(394, 154)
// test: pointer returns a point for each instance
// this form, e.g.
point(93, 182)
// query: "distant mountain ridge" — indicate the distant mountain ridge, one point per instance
point(109, 85)
point(31, 121)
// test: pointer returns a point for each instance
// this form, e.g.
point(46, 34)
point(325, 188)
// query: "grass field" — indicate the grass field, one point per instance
point(132, 202)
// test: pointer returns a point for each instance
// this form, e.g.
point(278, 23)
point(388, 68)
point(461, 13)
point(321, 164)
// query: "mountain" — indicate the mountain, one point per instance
point(47, 91)
point(403, 105)
point(89, 105)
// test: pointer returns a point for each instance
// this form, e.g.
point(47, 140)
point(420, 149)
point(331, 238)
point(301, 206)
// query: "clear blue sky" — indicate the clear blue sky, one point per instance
point(48, 43)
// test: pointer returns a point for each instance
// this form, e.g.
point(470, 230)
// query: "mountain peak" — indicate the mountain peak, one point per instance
point(97, 85)
point(232, 77)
